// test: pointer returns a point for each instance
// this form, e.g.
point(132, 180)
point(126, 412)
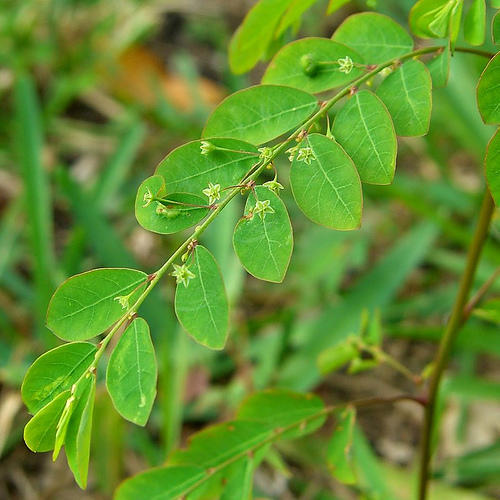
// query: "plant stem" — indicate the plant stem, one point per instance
point(479, 295)
point(477, 52)
point(451, 330)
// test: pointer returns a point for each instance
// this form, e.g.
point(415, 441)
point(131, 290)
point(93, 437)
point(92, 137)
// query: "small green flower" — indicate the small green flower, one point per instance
point(274, 186)
point(345, 65)
point(306, 155)
point(182, 274)
point(206, 147)
point(147, 198)
point(266, 153)
point(292, 152)
point(263, 207)
point(213, 192)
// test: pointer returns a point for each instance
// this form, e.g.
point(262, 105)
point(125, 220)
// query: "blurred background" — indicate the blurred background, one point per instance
point(94, 93)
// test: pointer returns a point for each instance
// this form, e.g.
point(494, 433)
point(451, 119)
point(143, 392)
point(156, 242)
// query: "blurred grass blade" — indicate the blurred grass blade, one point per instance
point(37, 195)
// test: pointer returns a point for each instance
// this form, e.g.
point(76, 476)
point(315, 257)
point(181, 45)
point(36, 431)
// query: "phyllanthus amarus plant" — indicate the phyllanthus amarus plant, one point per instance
point(381, 86)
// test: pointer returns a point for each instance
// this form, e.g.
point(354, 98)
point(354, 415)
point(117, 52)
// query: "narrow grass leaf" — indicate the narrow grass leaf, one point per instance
point(377, 38)
point(407, 93)
point(132, 373)
point(364, 128)
point(327, 190)
point(260, 113)
point(488, 92)
point(87, 304)
point(55, 372)
point(311, 64)
point(263, 241)
point(201, 306)
point(176, 211)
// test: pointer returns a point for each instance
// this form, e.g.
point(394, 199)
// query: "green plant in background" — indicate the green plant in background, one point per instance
point(336, 146)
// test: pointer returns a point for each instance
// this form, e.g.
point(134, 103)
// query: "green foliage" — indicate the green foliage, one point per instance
point(495, 29)
point(364, 128)
point(475, 23)
point(340, 459)
point(263, 241)
point(492, 166)
point(407, 94)
point(260, 114)
point(132, 373)
point(200, 301)
point(328, 189)
point(175, 211)
point(488, 92)
point(376, 37)
point(311, 64)
point(439, 68)
point(77, 312)
point(55, 372)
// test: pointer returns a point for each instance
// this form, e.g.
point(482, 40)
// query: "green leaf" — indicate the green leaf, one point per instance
point(376, 37)
point(492, 165)
point(132, 372)
point(310, 64)
point(407, 93)
point(334, 5)
point(364, 128)
point(84, 306)
point(55, 372)
point(78, 434)
point(495, 29)
point(264, 242)
point(218, 167)
point(280, 408)
point(340, 460)
point(489, 311)
point(40, 431)
point(475, 23)
point(240, 482)
point(431, 18)
point(488, 92)
point(495, 4)
point(260, 113)
point(439, 67)
point(251, 39)
point(162, 483)
point(292, 15)
point(201, 306)
point(177, 212)
point(328, 190)
point(334, 357)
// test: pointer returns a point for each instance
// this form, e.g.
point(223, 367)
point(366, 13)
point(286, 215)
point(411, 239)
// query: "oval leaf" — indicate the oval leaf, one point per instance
point(431, 18)
point(311, 64)
point(201, 306)
point(407, 93)
point(328, 190)
point(488, 92)
point(85, 305)
point(132, 373)
point(263, 241)
point(40, 431)
point(260, 113)
point(176, 211)
point(255, 33)
point(364, 128)
point(218, 166)
point(55, 372)
point(439, 67)
point(340, 459)
point(162, 483)
point(492, 164)
point(377, 38)
point(495, 29)
point(78, 435)
point(475, 23)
